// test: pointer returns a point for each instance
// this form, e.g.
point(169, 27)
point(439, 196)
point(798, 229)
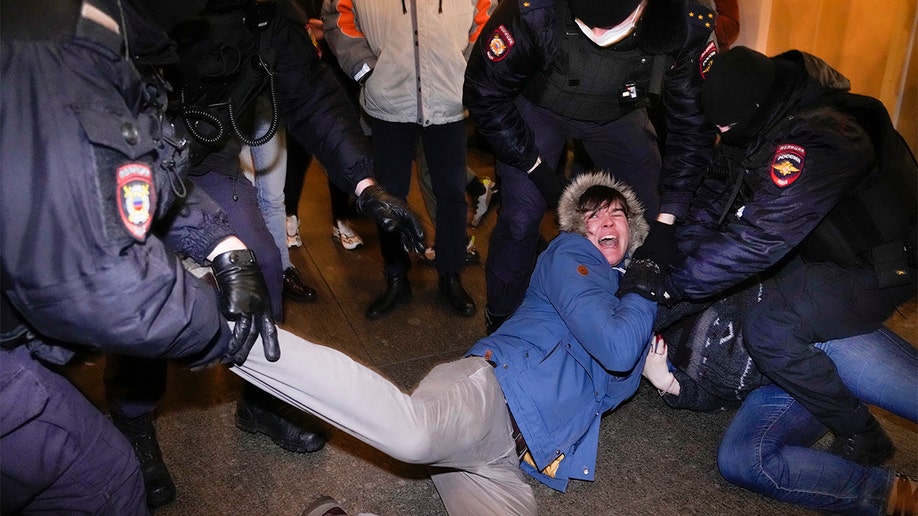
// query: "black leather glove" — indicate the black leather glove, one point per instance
point(393, 215)
point(659, 246)
point(645, 278)
point(246, 301)
point(550, 184)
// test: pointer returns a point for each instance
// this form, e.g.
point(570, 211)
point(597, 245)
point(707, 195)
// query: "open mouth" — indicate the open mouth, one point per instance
point(609, 241)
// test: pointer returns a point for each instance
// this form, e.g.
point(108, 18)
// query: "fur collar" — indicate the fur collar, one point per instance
point(571, 221)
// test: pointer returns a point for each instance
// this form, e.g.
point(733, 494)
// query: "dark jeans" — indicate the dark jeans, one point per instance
point(394, 149)
point(767, 447)
point(626, 147)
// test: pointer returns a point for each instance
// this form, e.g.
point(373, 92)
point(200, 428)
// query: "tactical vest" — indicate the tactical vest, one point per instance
point(593, 83)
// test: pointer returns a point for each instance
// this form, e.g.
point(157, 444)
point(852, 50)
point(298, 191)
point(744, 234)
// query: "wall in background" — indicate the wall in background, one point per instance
point(872, 42)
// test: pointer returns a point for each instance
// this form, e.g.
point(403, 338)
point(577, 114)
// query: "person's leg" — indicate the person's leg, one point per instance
point(880, 369)
point(269, 168)
point(512, 250)
point(766, 449)
point(446, 159)
point(237, 197)
point(456, 418)
point(627, 148)
point(133, 387)
point(816, 303)
point(393, 150)
point(298, 160)
point(427, 191)
point(60, 454)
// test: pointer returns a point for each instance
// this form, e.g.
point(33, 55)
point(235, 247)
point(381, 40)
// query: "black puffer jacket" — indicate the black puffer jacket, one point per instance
point(808, 157)
point(522, 38)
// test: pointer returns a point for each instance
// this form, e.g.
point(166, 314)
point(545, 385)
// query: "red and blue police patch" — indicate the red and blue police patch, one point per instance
point(500, 43)
point(787, 164)
point(136, 198)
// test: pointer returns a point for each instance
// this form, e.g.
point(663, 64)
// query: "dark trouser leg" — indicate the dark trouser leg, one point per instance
point(513, 244)
point(239, 199)
point(445, 151)
point(298, 160)
point(393, 151)
point(60, 454)
point(816, 303)
point(134, 386)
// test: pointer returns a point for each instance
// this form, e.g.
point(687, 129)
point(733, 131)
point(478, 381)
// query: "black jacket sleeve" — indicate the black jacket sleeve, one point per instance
point(508, 52)
point(316, 109)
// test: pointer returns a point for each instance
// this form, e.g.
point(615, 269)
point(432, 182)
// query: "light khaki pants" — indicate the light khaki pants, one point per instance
point(455, 421)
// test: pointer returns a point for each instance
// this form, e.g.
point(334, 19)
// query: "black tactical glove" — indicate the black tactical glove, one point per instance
point(550, 184)
point(645, 278)
point(659, 246)
point(393, 215)
point(246, 301)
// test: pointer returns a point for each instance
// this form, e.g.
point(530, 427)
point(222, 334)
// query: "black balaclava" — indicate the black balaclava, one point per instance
point(738, 84)
point(602, 13)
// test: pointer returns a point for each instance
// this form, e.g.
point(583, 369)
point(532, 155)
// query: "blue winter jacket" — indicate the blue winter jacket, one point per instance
point(571, 352)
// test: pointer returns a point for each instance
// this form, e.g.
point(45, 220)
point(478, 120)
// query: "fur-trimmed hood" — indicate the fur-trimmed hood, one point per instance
point(571, 221)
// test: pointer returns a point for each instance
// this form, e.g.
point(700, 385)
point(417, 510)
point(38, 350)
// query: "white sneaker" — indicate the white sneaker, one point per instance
point(293, 231)
point(342, 232)
point(483, 201)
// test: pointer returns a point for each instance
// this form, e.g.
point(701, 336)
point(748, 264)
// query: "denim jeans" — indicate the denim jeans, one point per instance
point(766, 448)
point(269, 163)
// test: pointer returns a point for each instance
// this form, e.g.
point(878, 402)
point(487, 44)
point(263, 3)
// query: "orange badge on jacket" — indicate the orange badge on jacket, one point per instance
point(582, 269)
point(787, 164)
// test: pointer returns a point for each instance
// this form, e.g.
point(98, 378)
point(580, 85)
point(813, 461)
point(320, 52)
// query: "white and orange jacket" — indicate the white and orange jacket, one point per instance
point(410, 55)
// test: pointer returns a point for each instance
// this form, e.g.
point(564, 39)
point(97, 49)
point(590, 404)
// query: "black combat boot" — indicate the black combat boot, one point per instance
point(872, 447)
point(289, 428)
point(156, 478)
point(398, 290)
point(493, 321)
point(451, 290)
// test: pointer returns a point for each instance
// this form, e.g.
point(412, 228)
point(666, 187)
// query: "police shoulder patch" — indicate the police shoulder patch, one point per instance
point(707, 58)
point(787, 164)
point(499, 43)
point(136, 198)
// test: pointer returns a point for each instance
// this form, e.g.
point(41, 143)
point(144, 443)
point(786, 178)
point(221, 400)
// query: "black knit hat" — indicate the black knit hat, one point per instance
point(603, 13)
point(738, 82)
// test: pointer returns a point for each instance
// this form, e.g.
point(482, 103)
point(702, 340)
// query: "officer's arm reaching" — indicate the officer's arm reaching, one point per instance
point(245, 300)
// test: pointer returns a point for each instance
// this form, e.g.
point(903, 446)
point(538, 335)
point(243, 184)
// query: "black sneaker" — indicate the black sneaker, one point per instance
point(156, 478)
point(872, 447)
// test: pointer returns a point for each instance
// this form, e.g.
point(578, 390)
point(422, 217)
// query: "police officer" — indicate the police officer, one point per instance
point(230, 52)
point(88, 173)
point(89, 166)
point(544, 71)
point(814, 187)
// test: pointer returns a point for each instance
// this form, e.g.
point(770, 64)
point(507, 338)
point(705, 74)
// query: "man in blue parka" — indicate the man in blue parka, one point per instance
point(531, 395)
